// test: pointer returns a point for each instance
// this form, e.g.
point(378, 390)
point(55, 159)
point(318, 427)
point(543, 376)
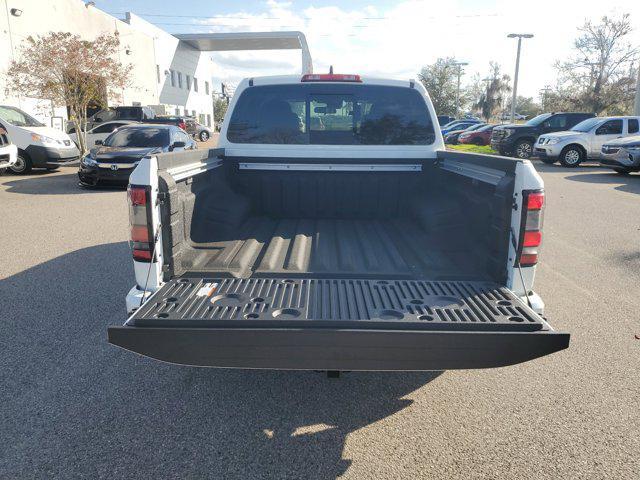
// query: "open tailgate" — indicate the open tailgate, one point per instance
point(337, 324)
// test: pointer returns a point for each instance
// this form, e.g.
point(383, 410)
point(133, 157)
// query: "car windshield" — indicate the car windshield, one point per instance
point(331, 114)
point(128, 113)
point(477, 126)
point(586, 125)
point(484, 128)
point(138, 137)
point(18, 118)
point(535, 121)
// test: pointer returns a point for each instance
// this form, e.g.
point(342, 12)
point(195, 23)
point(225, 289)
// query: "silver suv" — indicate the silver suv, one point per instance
point(585, 140)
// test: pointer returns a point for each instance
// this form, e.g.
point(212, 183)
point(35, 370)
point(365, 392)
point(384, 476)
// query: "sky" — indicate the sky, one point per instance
point(391, 39)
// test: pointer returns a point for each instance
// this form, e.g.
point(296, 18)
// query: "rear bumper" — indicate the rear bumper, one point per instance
point(334, 349)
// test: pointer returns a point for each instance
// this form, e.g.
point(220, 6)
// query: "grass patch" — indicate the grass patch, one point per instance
point(486, 149)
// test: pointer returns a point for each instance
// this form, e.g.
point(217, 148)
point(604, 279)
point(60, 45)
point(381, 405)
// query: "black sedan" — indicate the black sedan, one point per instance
point(113, 160)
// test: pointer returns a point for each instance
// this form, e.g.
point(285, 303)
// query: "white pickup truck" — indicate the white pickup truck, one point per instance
point(332, 231)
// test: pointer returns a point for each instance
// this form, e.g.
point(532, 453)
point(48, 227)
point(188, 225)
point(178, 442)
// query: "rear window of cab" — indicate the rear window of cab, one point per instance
point(331, 114)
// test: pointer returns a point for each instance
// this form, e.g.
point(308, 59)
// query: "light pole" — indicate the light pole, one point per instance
point(459, 65)
point(519, 36)
point(636, 108)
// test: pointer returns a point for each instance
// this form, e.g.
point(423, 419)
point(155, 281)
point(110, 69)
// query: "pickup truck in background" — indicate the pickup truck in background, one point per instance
point(584, 141)
point(518, 139)
point(332, 231)
point(121, 113)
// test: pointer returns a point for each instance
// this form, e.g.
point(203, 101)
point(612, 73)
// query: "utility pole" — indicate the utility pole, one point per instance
point(459, 65)
point(636, 108)
point(543, 95)
point(519, 36)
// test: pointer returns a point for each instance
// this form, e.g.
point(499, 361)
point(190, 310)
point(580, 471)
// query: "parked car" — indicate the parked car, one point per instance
point(297, 248)
point(444, 119)
point(8, 151)
point(583, 141)
point(458, 125)
point(176, 120)
point(517, 116)
point(478, 136)
point(200, 132)
point(101, 131)
point(451, 138)
point(518, 140)
point(129, 113)
point(38, 146)
point(622, 155)
point(114, 159)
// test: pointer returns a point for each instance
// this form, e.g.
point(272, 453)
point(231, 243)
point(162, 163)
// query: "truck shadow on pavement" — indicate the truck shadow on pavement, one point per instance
point(595, 174)
point(76, 406)
point(47, 183)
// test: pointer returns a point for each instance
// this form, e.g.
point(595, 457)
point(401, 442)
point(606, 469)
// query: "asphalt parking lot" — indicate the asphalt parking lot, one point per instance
point(75, 407)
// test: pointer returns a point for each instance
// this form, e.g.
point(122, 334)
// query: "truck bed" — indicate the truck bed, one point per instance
point(344, 247)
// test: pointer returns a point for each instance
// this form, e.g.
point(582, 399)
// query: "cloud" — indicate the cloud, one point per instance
point(396, 41)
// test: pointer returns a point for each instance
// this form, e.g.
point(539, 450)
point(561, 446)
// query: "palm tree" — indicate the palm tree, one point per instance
point(491, 102)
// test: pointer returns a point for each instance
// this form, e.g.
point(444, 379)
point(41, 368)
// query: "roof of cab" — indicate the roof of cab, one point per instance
point(294, 79)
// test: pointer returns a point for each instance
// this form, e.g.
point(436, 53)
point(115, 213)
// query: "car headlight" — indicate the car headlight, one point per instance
point(552, 141)
point(89, 161)
point(45, 140)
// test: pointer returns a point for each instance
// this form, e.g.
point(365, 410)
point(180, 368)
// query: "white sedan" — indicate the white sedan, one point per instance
point(100, 132)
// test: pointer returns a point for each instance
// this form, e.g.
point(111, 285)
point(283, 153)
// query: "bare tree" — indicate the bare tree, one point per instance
point(440, 80)
point(71, 72)
point(600, 77)
point(493, 99)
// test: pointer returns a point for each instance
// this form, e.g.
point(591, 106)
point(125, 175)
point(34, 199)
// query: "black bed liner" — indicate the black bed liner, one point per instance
point(359, 303)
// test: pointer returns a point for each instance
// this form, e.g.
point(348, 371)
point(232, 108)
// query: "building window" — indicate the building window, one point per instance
point(188, 82)
point(206, 87)
point(179, 80)
point(158, 72)
point(177, 110)
point(208, 120)
point(173, 78)
point(195, 84)
point(202, 119)
point(193, 113)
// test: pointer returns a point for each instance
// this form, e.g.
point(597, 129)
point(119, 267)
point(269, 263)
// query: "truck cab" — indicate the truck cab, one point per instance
point(518, 140)
point(331, 230)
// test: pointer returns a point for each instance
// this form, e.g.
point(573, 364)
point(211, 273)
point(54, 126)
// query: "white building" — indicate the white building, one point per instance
point(183, 74)
point(166, 73)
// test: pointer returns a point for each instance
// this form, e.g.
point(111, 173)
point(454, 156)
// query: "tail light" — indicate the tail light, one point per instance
point(531, 228)
point(140, 223)
point(330, 77)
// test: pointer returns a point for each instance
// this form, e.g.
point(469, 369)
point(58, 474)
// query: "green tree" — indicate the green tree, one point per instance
point(70, 72)
point(491, 102)
point(441, 81)
point(525, 106)
point(219, 109)
point(600, 77)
